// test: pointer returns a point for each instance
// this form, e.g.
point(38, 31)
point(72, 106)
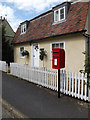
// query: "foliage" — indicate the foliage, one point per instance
point(7, 48)
point(43, 53)
point(87, 67)
point(25, 53)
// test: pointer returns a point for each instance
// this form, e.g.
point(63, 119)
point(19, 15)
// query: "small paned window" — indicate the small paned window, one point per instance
point(62, 14)
point(56, 15)
point(21, 50)
point(23, 28)
point(57, 45)
point(59, 14)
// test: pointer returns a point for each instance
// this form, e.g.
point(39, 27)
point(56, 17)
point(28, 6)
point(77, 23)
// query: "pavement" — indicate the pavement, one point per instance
point(35, 101)
point(9, 111)
point(6, 113)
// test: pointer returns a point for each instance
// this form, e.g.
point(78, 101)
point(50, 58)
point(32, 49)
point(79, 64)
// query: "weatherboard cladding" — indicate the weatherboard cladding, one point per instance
point(42, 27)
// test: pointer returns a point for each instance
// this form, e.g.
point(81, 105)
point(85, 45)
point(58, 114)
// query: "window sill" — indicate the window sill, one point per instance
point(22, 57)
point(54, 23)
point(23, 33)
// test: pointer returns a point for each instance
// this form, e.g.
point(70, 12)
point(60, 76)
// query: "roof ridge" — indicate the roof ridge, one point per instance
point(42, 14)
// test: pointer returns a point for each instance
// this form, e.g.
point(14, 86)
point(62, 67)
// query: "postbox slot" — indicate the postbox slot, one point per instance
point(55, 52)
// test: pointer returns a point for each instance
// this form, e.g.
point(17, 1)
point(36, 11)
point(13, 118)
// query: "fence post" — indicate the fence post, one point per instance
point(57, 80)
point(59, 83)
point(6, 67)
point(89, 91)
point(88, 94)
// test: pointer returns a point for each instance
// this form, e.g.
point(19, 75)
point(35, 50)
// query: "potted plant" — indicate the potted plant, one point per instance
point(25, 53)
point(43, 53)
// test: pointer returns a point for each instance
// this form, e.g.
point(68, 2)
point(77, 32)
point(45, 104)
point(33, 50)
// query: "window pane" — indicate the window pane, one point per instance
point(62, 11)
point(57, 45)
point(53, 45)
point(56, 16)
point(21, 49)
point(23, 28)
point(62, 45)
point(62, 16)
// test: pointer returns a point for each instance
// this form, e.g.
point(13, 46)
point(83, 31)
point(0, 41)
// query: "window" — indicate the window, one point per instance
point(23, 28)
point(57, 45)
point(59, 14)
point(56, 15)
point(21, 50)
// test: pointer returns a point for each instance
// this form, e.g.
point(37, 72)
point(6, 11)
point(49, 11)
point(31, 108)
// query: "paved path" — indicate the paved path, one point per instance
point(6, 113)
point(37, 102)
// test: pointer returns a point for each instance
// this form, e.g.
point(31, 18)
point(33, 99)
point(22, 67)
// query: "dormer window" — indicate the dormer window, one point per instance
point(59, 15)
point(23, 28)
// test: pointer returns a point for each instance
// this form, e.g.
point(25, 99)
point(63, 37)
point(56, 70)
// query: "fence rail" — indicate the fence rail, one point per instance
point(3, 66)
point(72, 84)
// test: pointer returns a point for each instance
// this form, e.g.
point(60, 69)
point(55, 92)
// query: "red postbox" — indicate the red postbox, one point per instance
point(58, 60)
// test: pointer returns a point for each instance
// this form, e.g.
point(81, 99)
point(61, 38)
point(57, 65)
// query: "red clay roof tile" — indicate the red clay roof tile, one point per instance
point(42, 27)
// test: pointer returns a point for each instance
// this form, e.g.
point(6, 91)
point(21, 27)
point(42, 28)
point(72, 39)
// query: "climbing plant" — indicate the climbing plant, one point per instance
point(87, 67)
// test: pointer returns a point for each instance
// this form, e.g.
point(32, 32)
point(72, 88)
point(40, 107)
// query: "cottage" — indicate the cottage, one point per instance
point(65, 26)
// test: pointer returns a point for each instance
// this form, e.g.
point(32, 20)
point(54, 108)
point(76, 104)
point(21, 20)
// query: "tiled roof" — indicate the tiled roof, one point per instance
point(42, 27)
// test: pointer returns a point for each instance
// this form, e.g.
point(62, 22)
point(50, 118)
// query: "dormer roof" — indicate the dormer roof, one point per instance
point(61, 5)
point(42, 26)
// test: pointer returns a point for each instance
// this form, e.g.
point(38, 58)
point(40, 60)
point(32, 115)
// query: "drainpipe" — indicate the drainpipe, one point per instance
point(88, 49)
point(88, 42)
point(89, 71)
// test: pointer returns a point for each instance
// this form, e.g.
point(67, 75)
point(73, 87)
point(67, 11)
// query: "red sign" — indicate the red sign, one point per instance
point(58, 60)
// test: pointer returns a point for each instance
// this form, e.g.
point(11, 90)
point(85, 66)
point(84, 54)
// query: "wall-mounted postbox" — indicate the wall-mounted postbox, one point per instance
point(58, 60)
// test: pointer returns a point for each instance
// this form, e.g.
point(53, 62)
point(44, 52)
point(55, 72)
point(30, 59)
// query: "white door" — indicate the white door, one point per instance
point(35, 55)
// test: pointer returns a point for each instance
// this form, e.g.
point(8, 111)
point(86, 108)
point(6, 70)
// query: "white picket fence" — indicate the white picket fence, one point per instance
point(71, 84)
point(3, 66)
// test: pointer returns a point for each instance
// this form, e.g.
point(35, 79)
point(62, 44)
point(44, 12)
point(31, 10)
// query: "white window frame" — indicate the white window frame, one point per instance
point(55, 43)
point(20, 52)
point(22, 28)
point(55, 16)
point(64, 13)
point(59, 14)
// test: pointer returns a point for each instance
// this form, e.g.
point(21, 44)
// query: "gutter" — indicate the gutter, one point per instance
point(88, 42)
point(30, 41)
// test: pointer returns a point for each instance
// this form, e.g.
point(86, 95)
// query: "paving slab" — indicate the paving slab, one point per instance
point(6, 113)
